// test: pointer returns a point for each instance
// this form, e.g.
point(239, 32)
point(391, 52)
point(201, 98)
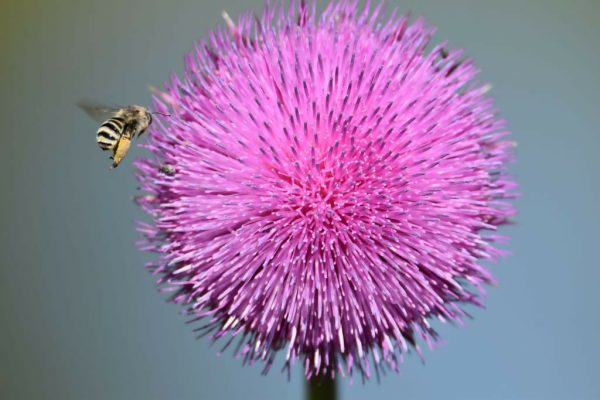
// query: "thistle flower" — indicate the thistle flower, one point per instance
point(328, 189)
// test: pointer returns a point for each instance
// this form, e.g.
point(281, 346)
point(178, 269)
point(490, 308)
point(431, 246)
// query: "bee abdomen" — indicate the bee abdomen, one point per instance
point(109, 133)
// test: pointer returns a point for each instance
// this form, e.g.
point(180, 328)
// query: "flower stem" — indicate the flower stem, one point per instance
point(321, 388)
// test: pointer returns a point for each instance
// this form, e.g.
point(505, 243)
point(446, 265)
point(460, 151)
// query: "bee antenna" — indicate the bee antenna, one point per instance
point(159, 113)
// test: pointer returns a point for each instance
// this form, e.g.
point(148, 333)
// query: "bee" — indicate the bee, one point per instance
point(120, 125)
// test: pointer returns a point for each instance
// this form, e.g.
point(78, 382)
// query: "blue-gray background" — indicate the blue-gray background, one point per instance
point(80, 317)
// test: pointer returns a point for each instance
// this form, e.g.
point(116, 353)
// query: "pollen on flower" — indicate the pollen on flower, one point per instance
point(332, 186)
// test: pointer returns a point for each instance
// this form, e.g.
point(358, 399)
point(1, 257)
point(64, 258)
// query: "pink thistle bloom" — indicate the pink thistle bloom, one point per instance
point(325, 186)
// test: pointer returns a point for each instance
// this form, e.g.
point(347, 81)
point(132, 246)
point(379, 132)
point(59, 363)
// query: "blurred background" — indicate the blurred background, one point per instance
point(80, 317)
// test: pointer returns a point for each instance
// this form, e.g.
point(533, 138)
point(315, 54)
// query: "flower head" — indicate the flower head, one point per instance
point(329, 186)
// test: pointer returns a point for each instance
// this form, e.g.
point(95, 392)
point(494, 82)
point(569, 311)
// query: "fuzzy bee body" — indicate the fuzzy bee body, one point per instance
point(109, 133)
point(122, 126)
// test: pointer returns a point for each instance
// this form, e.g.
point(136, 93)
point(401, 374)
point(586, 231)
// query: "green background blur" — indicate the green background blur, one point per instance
point(80, 317)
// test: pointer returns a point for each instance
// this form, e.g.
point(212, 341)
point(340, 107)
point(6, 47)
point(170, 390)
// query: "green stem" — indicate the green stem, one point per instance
point(321, 388)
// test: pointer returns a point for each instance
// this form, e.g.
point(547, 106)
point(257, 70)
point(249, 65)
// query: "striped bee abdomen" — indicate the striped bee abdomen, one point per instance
point(109, 133)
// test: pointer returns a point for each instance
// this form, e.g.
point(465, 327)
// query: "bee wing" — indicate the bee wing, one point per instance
point(98, 112)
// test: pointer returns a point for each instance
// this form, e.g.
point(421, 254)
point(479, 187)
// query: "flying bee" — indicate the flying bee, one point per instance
point(120, 125)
